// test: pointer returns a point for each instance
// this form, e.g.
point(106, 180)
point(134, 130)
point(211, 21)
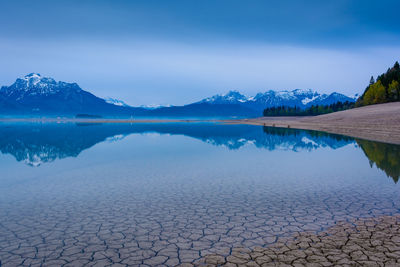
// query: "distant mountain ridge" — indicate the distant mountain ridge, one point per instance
point(36, 95)
point(298, 97)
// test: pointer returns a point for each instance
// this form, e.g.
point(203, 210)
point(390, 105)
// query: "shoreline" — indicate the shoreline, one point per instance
point(104, 120)
point(380, 122)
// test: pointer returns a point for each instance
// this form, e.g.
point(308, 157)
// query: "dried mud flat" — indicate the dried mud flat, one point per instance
point(361, 242)
point(185, 230)
point(377, 122)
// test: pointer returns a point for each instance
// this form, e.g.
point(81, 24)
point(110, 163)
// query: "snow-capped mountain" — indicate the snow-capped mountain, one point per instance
point(116, 102)
point(35, 94)
point(35, 85)
point(299, 97)
point(232, 97)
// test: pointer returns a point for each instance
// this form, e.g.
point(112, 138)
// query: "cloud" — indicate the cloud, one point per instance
point(312, 22)
point(175, 52)
point(159, 72)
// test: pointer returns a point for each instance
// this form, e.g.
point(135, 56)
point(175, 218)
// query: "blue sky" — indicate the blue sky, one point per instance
point(175, 52)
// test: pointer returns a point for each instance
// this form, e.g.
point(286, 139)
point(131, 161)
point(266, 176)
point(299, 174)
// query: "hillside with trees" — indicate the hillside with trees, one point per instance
point(385, 89)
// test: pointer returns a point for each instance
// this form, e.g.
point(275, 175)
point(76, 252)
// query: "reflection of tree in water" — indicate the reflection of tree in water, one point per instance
point(385, 156)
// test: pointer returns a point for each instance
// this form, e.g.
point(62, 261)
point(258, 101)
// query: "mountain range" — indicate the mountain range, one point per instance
point(36, 95)
point(298, 97)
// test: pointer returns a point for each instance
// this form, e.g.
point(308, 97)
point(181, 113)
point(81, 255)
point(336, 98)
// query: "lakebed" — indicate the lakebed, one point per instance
point(149, 194)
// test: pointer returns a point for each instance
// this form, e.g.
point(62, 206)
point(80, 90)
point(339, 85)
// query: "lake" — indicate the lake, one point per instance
point(170, 193)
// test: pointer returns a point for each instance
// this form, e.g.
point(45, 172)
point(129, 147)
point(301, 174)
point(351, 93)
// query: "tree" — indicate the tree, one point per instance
point(375, 94)
point(313, 110)
point(384, 89)
point(371, 81)
point(394, 90)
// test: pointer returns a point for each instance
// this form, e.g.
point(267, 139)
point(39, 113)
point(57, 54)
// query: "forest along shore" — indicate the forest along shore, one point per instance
point(380, 122)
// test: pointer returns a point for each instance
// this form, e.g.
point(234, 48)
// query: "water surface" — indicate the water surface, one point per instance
point(173, 192)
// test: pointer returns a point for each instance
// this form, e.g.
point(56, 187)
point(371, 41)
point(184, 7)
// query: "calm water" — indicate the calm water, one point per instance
point(169, 193)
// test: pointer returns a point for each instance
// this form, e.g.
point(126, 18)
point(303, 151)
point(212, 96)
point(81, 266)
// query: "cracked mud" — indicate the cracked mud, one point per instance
point(136, 209)
point(362, 242)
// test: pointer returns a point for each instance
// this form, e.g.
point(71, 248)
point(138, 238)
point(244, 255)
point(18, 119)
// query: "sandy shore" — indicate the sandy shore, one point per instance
point(377, 122)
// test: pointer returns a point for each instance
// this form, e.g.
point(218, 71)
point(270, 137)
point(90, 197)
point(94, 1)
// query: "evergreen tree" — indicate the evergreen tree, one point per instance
point(310, 111)
point(371, 81)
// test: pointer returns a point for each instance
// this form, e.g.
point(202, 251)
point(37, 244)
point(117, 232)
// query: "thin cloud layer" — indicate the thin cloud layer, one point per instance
point(158, 52)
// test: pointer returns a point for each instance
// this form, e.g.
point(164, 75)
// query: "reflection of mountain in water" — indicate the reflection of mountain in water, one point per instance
point(37, 143)
point(303, 139)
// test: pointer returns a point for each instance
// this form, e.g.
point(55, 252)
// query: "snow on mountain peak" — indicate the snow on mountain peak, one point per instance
point(307, 100)
point(304, 91)
point(35, 94)
point(233, 93)
point(32, 78)
point(155, 106)
point(35, 79)
point(32, 75)
point(34, 84)
point(116, 102)
point(299, 97)
point(230, 97)
point(235, 96)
